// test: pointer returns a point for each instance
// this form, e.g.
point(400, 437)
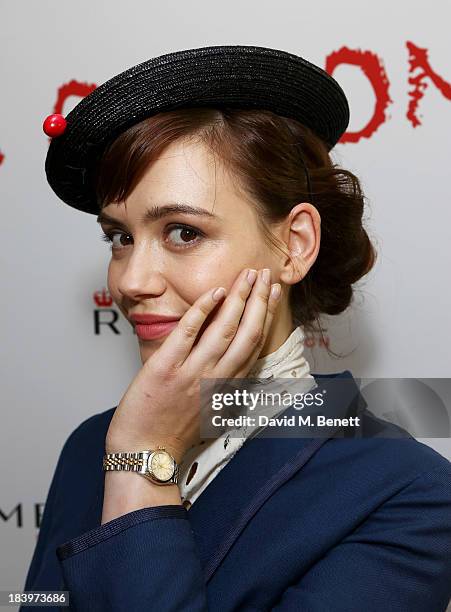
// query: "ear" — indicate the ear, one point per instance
point(302, 234)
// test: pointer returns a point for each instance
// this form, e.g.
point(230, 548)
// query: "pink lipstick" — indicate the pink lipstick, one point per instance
point(154, 330)
point(151, 326)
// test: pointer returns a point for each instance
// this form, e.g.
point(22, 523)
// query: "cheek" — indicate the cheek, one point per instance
point(110, 279)
point(112, 282)
point(200, 279)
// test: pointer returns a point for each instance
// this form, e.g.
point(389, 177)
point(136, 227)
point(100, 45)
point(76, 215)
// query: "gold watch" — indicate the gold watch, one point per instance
point(157, 465)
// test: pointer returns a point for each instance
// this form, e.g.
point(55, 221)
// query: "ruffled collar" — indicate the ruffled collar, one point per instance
point(285, 362)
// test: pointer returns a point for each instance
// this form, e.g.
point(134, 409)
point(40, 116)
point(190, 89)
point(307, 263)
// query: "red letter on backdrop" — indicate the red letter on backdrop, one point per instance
point(372, 68)
point(73, 88)
point(418, 58)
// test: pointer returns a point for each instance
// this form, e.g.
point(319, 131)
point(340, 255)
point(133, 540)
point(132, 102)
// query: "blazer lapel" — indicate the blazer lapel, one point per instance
point(256, 471)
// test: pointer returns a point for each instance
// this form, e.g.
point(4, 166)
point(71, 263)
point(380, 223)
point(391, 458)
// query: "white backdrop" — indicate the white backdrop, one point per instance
point(56, 371)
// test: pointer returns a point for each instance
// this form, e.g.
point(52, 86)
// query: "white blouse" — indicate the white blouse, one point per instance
point(204, 461)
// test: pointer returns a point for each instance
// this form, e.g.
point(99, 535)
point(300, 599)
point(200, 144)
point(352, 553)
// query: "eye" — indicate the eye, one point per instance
point(109, 237)
point(185, 235)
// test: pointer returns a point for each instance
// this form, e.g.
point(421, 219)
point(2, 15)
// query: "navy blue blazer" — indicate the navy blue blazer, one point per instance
point(289, 524)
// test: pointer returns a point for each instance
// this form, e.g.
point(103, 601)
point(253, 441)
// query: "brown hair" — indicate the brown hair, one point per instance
point(264, 151)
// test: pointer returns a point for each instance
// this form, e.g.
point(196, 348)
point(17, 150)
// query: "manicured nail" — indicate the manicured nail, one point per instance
point(276, 291)
point(251, 276)
point(266, 275)
point(218, 293)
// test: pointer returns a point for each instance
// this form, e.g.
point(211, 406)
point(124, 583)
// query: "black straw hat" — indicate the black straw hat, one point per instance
point(228, 76)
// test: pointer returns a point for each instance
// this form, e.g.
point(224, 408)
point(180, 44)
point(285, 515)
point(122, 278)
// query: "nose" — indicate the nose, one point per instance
point(141, 276)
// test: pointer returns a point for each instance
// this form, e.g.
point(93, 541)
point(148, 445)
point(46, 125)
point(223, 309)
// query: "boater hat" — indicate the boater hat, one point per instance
point(228, 76)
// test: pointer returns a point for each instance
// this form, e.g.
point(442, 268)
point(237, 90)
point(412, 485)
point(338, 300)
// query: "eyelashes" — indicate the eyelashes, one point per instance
point(108, 236)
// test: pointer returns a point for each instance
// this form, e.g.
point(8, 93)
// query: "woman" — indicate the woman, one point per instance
point(206, 167)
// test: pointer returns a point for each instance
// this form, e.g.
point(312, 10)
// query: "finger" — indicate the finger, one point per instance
point(273, 304)
point(250, 329)
point(254, 328)
point(179, 342)
point(220, 333)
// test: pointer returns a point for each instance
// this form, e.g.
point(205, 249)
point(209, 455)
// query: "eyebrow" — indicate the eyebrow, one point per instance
point(158, 212)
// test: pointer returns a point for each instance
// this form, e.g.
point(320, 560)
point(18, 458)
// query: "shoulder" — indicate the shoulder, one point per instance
point(383, 451)
point(92, 426)
point(376, 469)
point(88, 438)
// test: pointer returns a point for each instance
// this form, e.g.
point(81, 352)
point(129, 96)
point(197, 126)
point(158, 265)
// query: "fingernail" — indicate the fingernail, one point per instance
point(251, 276)
point(276, 291)
point(218, 293)
point(266, 275)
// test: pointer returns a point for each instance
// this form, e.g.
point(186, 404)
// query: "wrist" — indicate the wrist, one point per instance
point(128, 491)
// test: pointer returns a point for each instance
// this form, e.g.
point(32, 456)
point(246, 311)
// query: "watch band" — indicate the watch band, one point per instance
point(136, 462)
point(130, 462)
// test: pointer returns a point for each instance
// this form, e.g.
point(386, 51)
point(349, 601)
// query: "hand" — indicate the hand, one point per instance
point(161, 406)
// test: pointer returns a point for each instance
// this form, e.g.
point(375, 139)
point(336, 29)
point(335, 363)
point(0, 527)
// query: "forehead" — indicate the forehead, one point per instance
point(187, 173)
point(182, 166)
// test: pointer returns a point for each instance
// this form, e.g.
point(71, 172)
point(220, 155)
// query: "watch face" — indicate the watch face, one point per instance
point(161, 465)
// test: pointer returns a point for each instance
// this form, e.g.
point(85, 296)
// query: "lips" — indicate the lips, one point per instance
point(154, 330)
point(149, 319)
point(151, 326)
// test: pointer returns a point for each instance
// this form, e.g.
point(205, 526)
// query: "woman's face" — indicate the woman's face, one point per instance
point(158, 267)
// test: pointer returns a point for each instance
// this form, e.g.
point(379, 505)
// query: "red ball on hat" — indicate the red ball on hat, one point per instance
point(54, 125)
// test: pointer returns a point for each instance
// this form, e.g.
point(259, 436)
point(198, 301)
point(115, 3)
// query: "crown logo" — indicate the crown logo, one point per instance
point(102, 298)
